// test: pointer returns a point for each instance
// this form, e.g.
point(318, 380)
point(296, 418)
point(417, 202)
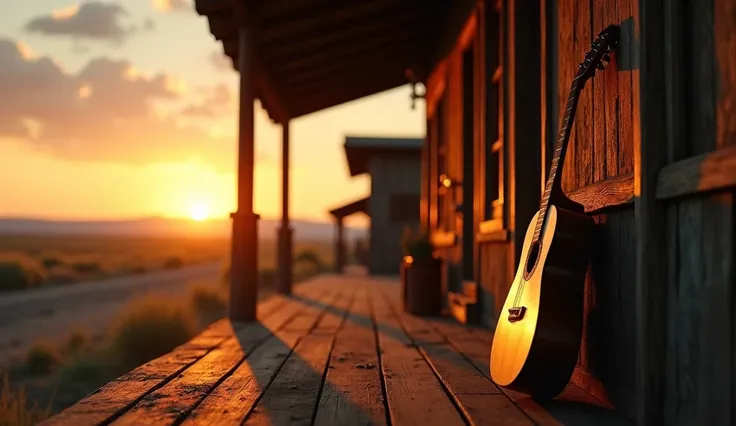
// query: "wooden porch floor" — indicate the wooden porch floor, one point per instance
point(338, 352)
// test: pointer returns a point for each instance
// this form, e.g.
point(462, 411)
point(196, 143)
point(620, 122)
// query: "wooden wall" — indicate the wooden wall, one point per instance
point(699, 286)
point(599, 173)
point(389, 175)
point(653, 159)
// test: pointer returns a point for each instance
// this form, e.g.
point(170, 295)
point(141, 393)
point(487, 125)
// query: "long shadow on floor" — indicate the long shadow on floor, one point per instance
point(570, 408)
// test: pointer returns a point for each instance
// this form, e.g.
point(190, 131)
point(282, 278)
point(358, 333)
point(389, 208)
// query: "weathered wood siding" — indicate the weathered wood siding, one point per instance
point(699, 376)
point(389, 175)
point(601, 153)
point(686, 375)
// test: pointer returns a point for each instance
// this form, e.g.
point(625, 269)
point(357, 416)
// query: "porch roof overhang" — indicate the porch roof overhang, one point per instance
point(358, 206)
point(315, 54)
point(359, 150)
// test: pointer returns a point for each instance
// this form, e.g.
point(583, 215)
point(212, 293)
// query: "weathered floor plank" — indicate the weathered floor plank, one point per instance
point(415, 395)
point(574, 407)
point(477, 396)
point(233, 399)
point(118, 395)
point(340, 351)
point(352, 393)
point(292, 396)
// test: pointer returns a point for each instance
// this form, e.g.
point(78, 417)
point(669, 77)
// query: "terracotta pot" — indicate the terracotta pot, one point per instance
point(423, 290)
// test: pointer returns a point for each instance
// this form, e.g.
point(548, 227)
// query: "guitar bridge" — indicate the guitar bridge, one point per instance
point(516, 313)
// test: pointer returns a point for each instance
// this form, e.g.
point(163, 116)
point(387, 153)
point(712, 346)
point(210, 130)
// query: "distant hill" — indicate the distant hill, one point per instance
point(157, 226)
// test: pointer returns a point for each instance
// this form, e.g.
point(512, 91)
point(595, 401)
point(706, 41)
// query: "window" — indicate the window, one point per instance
point(404, 208)
point(494, 154)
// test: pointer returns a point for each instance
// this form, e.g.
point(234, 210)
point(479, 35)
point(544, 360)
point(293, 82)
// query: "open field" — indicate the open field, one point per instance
point(61, 342)
point(28, 261)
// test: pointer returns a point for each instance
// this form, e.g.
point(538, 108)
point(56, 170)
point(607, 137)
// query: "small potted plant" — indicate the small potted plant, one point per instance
point(421, 275)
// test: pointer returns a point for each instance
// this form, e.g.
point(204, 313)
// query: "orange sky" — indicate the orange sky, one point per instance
point(126, 120)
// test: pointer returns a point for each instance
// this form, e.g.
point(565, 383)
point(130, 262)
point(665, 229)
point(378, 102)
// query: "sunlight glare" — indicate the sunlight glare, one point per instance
point(198, 212)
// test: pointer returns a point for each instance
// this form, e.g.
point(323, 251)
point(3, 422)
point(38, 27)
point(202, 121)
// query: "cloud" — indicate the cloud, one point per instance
point(220, 61)
point(171, 5)
point(108, 111)
point(92, 20)
point(215, 103)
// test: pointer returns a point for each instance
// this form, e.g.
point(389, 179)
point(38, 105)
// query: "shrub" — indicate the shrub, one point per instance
point(416, 244)
point(51, 262)
point(87, 369)
point(311, 257)
point(76, 341)
point(19, 274)
point(174, 262)
point(42, 358)
point(88, 267)
point(151, 326)
point(16, 410)
point(209, 302)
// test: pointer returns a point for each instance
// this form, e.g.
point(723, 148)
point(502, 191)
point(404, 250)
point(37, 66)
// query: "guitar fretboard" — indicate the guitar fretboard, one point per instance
point(558, 159)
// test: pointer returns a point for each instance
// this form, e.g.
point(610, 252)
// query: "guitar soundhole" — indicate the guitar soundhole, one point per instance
point(531, 260)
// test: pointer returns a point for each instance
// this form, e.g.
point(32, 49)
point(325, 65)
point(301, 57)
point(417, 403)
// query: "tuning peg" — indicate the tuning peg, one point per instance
point(600, 66)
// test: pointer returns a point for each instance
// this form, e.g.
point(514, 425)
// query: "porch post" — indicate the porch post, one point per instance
point(244, 250)
point(339, 246)
point(285, 251)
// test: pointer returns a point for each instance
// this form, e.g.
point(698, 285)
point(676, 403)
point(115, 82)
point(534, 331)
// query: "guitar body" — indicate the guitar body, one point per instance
point(537, 353)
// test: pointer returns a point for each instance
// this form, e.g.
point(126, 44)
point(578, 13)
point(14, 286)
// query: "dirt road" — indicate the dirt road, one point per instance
point(51, 313)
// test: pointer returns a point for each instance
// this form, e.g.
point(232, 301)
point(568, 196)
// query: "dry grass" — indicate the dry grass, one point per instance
point(31, 261)
point(151, 326)
point(16, 409)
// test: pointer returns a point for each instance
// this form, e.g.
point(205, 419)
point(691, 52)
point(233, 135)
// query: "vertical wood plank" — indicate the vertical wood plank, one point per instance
point(725, 39)
point(609, 79)
point(715, 371)
point(567, 68)
point(583, 143)
point(598, 85)
point(651, 261)
point(628, 99)
point(700, 76)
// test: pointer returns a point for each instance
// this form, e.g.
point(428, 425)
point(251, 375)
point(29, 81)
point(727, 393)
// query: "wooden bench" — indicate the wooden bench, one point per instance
point(338, 352)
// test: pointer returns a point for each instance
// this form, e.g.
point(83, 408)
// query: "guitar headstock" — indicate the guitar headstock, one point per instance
point(597, 57)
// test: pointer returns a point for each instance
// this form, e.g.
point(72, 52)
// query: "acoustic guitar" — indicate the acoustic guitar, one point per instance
point(537, 338)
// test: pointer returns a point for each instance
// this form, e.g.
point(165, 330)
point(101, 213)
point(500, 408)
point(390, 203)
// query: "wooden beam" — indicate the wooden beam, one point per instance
point(339, 246)
point(696, 175)
point(650, 156)
point(611, 192)
point(223, 25)
point(268, 93)
point(319, 102)
point(346, 36)
point(209, 7)
point(285, 238)
point(274, 9)
point(244, 252)
point(522, 93)
point(386, 60)
point(322, 19)
point(266, 89)
point(435, 86)
point(370, 47)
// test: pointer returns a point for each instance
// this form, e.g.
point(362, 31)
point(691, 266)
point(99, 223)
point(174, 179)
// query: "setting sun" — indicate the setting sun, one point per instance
point(198, 212)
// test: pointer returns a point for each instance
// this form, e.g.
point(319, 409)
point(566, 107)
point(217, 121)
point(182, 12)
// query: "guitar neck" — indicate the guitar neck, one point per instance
point(553, 187)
